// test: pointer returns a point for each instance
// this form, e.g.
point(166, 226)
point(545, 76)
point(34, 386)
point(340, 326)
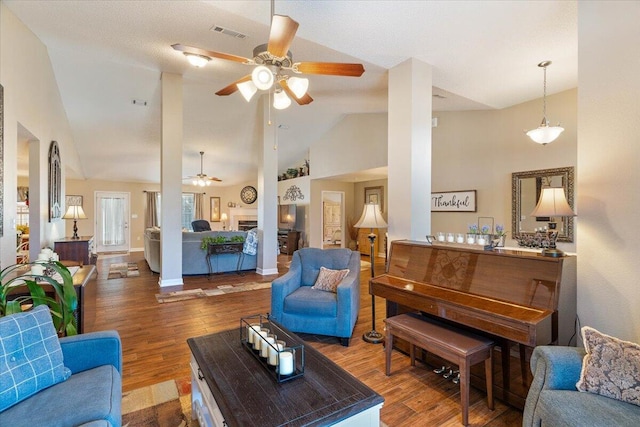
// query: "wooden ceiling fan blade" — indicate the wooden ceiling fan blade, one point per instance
point(283, 30)
point(329, 68)
point(210, 53)
point(233, 87)
point(306, 99)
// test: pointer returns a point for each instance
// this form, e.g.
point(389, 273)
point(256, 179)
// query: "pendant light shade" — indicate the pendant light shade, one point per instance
point(262, 77)
point(281, 100)
point(298, 86)
point(544, 133)
point(247, 89)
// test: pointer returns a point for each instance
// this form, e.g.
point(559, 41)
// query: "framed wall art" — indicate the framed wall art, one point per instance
point(454, 201)
point(374, 195)
point(72, 200)
point(55, 183)
point(215, 209)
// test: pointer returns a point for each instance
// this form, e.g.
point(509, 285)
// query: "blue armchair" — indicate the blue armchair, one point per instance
point(302, 309)
point(554, 400)
point(91, 396)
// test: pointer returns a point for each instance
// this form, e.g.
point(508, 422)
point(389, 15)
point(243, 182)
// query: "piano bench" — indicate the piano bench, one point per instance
point(454, 345)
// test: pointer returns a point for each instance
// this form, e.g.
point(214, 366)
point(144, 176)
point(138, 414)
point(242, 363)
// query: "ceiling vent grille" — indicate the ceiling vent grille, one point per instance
point(437, 95)
point(232, 33)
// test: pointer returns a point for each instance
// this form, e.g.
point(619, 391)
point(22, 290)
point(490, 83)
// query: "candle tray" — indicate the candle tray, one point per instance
point(294, 345)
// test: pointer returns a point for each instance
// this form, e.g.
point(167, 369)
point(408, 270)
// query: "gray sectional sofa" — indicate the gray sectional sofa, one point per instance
point(193, 258)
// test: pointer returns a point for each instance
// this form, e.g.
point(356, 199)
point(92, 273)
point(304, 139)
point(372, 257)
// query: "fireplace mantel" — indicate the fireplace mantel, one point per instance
point(241, 214)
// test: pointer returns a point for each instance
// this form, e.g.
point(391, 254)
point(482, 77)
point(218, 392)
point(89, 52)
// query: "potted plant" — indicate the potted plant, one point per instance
point(219, 240)
point(471, 235)
point(500, 236)
point(13, 296)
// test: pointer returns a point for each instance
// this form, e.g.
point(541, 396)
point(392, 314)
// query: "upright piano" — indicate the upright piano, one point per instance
point(514, 296)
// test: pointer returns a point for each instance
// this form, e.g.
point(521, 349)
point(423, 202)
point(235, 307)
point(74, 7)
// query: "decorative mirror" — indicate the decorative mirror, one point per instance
point(55, 183)
point(525, 192)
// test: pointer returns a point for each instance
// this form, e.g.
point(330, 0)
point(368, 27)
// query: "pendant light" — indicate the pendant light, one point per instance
point(544, 133)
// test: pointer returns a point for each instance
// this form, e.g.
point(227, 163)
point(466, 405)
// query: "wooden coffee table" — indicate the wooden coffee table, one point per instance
point(230, 387)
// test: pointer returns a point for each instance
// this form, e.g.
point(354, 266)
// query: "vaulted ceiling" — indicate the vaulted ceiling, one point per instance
point(105, 54)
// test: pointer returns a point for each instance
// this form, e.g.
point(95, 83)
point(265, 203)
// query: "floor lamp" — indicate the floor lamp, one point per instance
point(372, 218)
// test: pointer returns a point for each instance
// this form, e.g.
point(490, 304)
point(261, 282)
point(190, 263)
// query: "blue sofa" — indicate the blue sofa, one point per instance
point(92, 396)
point(302, 309)
point(553, 399)
point(193, 258)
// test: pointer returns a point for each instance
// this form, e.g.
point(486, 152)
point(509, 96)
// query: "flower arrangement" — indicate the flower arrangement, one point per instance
point(485, 229)
point(500, 230)
point(473, 229)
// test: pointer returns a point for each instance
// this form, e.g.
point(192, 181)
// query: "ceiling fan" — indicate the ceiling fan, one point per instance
point(271, 60)
point(201, 179)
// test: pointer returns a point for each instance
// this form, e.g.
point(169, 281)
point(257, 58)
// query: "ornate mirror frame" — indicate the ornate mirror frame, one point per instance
point(563, 176)
point(55, 183)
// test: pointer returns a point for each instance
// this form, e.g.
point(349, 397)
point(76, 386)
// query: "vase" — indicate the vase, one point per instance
point(471, 238)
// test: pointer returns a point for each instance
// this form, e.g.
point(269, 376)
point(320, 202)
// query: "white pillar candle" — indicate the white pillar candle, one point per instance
point(450, 237)
point(264, 346)
point(460, 238)
point(286, 363)
point(481, 240)
point(42, 256)
point(273, 352)
point(251, 331)
point(258, 338)
point(37, 270)
point(440, 237)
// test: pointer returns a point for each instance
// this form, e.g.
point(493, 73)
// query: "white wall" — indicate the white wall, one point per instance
point(479, 150)
point(32, 100)
point(608, 177)
point(358, 142)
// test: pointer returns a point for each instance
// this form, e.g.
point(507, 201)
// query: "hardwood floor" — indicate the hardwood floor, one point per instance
point(154, 343)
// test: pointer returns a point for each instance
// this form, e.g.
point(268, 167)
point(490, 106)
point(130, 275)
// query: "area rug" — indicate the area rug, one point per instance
point(167, 404)
point(122, 270)
point(203, 293)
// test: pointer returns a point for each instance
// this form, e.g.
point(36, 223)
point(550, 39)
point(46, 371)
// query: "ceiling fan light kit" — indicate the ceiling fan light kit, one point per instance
point(197, 60)
point(281, 100)
point(247, 89)
point(270, 60)
point(201, 179)
point(544, 133)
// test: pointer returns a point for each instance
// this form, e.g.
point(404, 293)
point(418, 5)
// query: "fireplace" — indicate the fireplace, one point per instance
point(246, 225)
point(243, 215)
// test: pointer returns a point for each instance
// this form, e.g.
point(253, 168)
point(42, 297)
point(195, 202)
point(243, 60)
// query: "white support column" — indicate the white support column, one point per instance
point(171, 181)
point(409, 150)
point(268, 194)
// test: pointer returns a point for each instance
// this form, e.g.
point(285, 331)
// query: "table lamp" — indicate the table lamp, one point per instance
point(75, 213)
point(552, 203)
point(372, 218)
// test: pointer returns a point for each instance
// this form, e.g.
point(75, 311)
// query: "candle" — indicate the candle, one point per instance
point(259, 337)
point(251, 331)
point(460, 238)
point(286, 363)
point(266, 345)
point(37, 270)
point(55, 257)
point(450, 237)
point(273, 352)
point(42, 256)
point(440, 237)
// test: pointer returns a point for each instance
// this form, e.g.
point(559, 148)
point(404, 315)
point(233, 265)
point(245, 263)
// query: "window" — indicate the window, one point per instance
point(187, 210)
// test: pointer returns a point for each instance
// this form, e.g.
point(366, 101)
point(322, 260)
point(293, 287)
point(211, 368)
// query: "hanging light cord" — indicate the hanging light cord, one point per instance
point(544, 95)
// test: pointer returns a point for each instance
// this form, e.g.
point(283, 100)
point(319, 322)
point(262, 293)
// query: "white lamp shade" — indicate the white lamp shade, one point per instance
point(298, 86)
point(545, 134)
point(552, 203)
point(281, 100)
point(247, 89)
point(262, 77)
point(223, 217)
point(74, 212)
point(197, 60)
point(371, 217)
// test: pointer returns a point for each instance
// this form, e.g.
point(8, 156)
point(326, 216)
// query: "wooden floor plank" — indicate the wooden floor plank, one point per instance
point(154, 343)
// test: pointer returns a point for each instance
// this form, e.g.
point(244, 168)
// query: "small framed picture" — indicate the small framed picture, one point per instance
point(215, 209)
point(71, 200)
point(374, 195)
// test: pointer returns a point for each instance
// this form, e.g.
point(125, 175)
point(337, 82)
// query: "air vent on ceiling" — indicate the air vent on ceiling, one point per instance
point(232, 33)
point(437, 95)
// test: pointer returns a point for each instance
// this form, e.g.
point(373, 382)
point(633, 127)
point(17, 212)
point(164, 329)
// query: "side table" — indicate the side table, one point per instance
point(225, 248)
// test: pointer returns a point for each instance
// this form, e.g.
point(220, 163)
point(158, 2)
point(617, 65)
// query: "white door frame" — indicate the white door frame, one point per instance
point(127, 229)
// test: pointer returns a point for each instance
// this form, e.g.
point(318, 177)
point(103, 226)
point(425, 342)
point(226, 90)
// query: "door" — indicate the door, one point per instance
point(333, 219)
point(112, 222)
